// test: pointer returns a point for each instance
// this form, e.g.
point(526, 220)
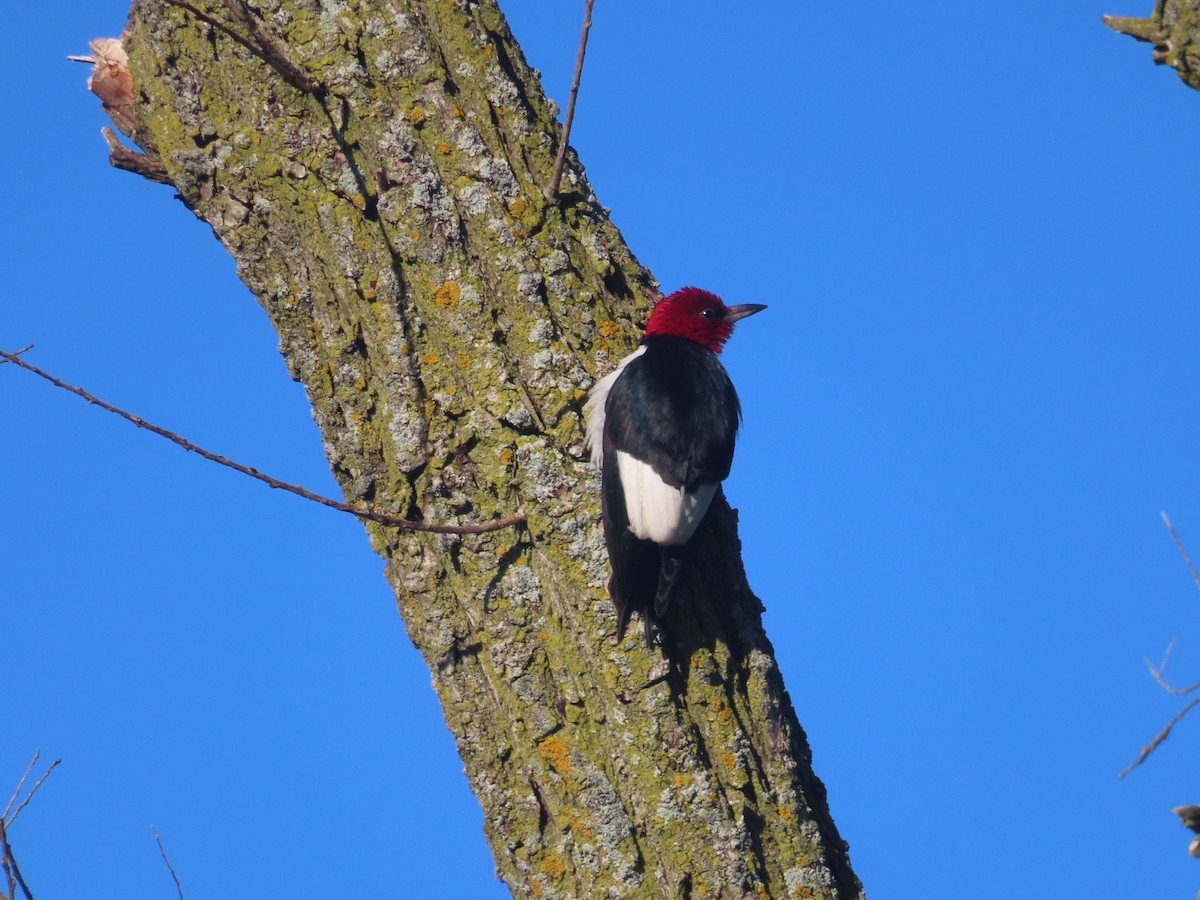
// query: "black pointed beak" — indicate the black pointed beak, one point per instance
point(743, 310)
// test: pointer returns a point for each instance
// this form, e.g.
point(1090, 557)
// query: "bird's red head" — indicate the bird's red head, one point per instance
point(699, 316)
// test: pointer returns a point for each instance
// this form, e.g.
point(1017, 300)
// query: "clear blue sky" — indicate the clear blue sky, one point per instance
point(974, 391)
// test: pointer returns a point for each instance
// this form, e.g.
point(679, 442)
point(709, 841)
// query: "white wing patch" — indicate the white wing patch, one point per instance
point(658, 512)
point(593, 410)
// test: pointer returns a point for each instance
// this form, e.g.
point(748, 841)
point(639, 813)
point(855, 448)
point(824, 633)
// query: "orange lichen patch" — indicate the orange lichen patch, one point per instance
point(459, 112)
point(518, 208)
point(554, 867)
point(581, 831)
point(728, 759)
point(443, 148)
point(406, 348)
point(447, 294)
point(609, 328)
point(535, 888)
point(578, 394)
point(556, 755)
point(415, 235)
point(463, 359)
point(681, 780)
point(785, 813)
point(489, 50)
point(724, 713)
point(416, 115)
point(506, 456)
point(429, 358)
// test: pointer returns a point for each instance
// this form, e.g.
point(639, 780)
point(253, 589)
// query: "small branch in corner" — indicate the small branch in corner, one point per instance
point(1157, 673)
point(1158, 739)
point(361, 512)
point(560, 160)
point(162, 851)
point(121, 157)
point(8, 862)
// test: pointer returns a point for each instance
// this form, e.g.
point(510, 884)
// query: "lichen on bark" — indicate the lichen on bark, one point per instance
point(447, 320)
point(1174, 30)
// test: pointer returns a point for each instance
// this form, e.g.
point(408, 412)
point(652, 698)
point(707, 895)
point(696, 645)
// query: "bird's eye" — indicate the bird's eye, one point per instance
point(708, 312)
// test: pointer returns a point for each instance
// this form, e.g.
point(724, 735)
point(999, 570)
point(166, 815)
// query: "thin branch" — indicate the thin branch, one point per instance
point(24, 349)
point(362, 512)
point(1158, 739)
point(20, 784)
point(170, 868)
point(1157, 673)
point(121, 157)
point(12, 871)
point(33, 790)
point(1178, 543)
point(5, 855)
point(566, 133)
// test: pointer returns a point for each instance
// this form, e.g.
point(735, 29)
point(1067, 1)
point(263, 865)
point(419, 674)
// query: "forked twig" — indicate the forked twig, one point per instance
point(8, 820)
point(1157, 674)
point(560, 159)
point(362, 512)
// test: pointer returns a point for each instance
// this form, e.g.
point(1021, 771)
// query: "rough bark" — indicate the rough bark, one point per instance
point(376, 169)
point(1174, 30)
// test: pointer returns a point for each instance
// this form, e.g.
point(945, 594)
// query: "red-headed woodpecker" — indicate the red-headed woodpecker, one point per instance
point(662, 429)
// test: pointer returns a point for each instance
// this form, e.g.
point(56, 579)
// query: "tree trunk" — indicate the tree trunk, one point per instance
point(376, 169)
point(1174, 30)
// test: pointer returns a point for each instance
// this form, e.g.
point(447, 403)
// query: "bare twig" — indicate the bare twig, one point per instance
point(9, 864)
point(8, 820)
point(264, 46)
point(170, 868)
point(12, 871)
point(1157, 673)
point(24, 349)
point(1158, 739)
point(20, 784)
point(362, 512)
point(1178, 543)
point(566, 132)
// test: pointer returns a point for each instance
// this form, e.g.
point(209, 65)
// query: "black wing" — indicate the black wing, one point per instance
point(675, 409)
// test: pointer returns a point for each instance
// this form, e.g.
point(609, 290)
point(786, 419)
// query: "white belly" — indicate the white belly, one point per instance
point(658, 512)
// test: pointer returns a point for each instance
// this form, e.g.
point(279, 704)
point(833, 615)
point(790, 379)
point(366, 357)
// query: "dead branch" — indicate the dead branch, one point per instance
point(1158, 739)
point(170, 868)
point(9, 820)
point(1178, 543)
point(566, 133)
point(372, 515)
point(1157, 673)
